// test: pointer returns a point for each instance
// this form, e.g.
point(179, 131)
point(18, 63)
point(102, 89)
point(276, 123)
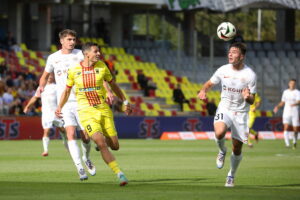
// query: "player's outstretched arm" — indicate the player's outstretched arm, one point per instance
point(43, 80)
point(110, 95)
point(119, 93)
point(63, 99)
point(30, 103)
point(207, 86)
point(276, 108)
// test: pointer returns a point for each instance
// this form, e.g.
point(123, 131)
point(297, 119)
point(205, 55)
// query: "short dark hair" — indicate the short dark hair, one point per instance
point(292, 79)
point(87, 46)
point(67, 32)
point(241, 46)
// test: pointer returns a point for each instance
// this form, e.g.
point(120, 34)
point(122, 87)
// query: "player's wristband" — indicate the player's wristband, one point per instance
point(125, 102)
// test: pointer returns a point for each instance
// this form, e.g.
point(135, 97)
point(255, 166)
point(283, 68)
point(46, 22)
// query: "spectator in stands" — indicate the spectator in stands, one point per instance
point(9, 41)
point(142, 80)
point(151, 86)
point(9, 81)
point(179, 97)
point(8, 100)
point(2, 89)
point(211, 107)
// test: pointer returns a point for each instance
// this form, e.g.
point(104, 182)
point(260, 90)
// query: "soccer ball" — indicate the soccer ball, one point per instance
point(226, 31)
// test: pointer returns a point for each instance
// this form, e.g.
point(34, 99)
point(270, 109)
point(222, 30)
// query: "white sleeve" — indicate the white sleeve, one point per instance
point(283, 97)
point(216, 78)
point(252, 85)
point(49, 65)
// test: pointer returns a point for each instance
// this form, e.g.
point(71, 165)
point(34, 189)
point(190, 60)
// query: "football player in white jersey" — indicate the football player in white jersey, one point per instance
point(49, 102)
point(238, 83)
point(291, 101)
point(59, 63)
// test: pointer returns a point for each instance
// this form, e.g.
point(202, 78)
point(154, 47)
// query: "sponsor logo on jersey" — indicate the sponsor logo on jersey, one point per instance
point(88, 72)
point(230, 89)
point(89, 89)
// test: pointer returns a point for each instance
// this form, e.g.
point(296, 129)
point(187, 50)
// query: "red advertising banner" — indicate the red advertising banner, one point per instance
point(23, 128)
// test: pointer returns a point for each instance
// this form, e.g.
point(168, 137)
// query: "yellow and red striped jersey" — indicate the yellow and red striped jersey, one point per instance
point(88, 83)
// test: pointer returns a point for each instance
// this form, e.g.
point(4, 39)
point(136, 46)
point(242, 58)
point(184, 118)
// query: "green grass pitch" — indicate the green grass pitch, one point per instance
point(156, 170)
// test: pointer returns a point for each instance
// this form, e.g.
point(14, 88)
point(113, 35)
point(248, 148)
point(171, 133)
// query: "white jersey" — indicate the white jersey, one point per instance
point(59, 64)
point(233, 82)
point(290, 97)
point(48, 96)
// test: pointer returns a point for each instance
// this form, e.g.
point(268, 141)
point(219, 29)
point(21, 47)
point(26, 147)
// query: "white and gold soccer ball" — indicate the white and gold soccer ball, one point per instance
point(226, 31)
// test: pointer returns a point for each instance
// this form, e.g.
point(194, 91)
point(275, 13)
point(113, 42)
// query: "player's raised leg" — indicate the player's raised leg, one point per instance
point(220, 131)
point(109, 159)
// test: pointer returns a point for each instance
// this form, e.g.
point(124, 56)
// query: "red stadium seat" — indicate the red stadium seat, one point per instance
point(135, 86)
point(193, 100)
point(179, 79)
point(139, 100)
point(169, 72)
point(167, 79)
point(150, 106)
point(171, 85)
point(151, 93)
point(192, 107)
point(263, 113)
point(132, 99)
point(161, 113)
point(174, 113)
point(127, 71)
point(131, 78)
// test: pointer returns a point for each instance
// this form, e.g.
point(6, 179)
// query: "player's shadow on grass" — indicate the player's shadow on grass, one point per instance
point(169, 180)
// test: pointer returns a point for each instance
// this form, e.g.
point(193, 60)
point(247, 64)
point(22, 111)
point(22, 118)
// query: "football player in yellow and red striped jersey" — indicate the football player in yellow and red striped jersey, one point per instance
point(94, 113)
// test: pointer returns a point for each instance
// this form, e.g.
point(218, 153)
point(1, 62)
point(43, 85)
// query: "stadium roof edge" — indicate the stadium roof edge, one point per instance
point(149, 2)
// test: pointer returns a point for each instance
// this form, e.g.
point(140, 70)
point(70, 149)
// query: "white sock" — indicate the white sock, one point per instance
point(235, 161)
point(221, 144)
point(46, 143)
point(295, 137)
point(75, 153)
point(286, 138)
point(86, 148)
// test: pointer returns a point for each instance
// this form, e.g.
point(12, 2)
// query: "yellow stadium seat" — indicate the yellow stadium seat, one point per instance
point(53, 48)
point(32, 54)
point(269, 113)
point(156, 106)
point(23, 47)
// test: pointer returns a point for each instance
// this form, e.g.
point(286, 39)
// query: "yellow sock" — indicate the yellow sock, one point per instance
point(114, 166)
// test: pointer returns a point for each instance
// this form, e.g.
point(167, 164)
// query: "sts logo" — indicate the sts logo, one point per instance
point(192, 124)
point(9, 128)
point(149, 128)
point(274, 124)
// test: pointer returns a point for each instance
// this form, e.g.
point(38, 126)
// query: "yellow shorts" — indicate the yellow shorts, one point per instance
point(251, 119)
point(95, 119)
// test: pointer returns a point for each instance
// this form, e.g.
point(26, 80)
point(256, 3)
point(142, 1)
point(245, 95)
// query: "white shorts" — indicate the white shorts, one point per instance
point(291, 120)
point(70, 115)
point(47, 119)
point(236, 121)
